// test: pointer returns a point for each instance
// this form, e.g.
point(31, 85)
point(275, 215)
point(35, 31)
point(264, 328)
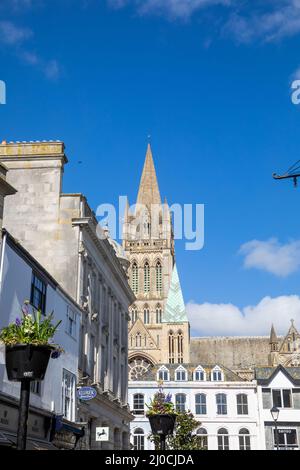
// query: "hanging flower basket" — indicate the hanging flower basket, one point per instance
point(162, 424)
point(27, 361)
point(27, 346)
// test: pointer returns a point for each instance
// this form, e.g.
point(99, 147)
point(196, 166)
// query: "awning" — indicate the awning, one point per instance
point(10, 440)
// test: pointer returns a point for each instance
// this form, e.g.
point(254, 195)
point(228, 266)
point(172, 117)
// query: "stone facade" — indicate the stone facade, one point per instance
point(243, 353)
point(5, 190)
point(62, 233)
point(149, 245)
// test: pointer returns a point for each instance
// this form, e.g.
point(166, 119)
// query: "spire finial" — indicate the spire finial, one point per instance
point(148, 191)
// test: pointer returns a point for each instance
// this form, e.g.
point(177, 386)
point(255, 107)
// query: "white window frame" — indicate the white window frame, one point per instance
point(68, 394)
point(217, 370)
point(165, 372)
point(200, 370)
point(139, 439)
point(140, 402)
point(223, 405)
point(281, 397)
point(182, 405)
point(180, 372)
point(71, 315)
point(204, 405)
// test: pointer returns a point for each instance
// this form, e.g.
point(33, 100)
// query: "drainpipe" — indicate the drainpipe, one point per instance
point(2, 246)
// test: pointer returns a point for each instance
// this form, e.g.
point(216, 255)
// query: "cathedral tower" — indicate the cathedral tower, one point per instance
point(159, 328)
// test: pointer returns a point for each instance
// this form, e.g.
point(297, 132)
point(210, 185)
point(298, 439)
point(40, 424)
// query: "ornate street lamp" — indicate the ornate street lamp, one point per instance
point(275, 414)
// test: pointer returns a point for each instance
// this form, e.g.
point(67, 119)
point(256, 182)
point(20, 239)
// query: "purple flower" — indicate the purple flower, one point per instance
point(18, 322)
point(25, 309)
point(168, 398)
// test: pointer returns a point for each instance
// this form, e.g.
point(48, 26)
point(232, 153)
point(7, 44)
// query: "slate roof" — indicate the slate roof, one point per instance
point(151, 375)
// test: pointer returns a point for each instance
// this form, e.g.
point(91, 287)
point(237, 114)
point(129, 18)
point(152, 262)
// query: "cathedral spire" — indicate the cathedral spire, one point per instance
point(273, 336)
point(148, 191)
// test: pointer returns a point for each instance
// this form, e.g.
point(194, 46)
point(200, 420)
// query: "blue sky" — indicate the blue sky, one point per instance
point(210, 81)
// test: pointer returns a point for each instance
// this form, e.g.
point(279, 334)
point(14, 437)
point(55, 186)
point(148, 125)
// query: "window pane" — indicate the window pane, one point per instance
point(277, 398)
point(287, 402)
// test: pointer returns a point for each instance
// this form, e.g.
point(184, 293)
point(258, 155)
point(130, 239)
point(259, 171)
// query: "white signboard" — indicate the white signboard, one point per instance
point(102, 434)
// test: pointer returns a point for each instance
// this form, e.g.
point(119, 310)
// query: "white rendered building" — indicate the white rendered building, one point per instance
point(279, 387)
point(225, 405)
point(23, 278)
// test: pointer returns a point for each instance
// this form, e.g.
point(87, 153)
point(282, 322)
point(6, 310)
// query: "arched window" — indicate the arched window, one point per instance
point(138, 340)
point(146, 315)
point(133, 314)
point(135, 278)
point(171, 347)
point(158, 272)
point(221, 401)
point(180, 401)
point(199, 374)
point(180, 347)
point(146, 277)
point(163, 374)
point(244, 439)
point(223, 439)
point(180, 374)
point(138, 439)
point(202, 433)
point(200, 404)
point(138, 404)
point(158, 314)
point(242, 404)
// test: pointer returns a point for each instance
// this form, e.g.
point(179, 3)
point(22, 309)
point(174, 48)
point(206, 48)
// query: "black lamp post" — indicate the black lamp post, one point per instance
point(25, 363)
point(275, 414)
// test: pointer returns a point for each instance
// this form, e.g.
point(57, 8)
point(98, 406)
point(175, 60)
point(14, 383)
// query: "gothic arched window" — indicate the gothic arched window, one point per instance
point(133, 314)
point(158, 272)
point(146, 315)
point(138, 340)
point(135, 278)
point(158, 314)
point(171, 347)
point(146, 277)
point(180, 347)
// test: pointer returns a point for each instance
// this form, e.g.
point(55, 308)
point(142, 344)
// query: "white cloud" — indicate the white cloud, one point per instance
point(270, 20)
point(52, 69)
point(12, 35)
point(271, 256)
point(226, 319)
point(173, 9)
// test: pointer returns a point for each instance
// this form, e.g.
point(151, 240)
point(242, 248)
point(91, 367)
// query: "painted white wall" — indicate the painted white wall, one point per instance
point(15, 287)
point(211, 421)
point(280, 381)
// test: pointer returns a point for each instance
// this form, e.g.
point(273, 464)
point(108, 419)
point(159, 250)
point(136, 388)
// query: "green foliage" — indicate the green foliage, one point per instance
point(29, 329)
point(184, 437)
point(161, 404)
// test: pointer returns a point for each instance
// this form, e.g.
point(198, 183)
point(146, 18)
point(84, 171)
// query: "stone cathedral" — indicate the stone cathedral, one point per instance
point(158, 327)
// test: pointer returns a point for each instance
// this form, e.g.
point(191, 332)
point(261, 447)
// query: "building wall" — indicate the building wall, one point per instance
point(60, 230)
point(212, 422)
point(234, 352)
point(289, 418)
point(15, 288)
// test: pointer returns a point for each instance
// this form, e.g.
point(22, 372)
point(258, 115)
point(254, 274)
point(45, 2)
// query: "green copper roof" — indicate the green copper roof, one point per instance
point(175, 308)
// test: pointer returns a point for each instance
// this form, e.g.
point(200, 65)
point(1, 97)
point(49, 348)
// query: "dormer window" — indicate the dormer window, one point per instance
point(180, 374)
point(163, 374)
point(217, 374)
point(199, 374)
